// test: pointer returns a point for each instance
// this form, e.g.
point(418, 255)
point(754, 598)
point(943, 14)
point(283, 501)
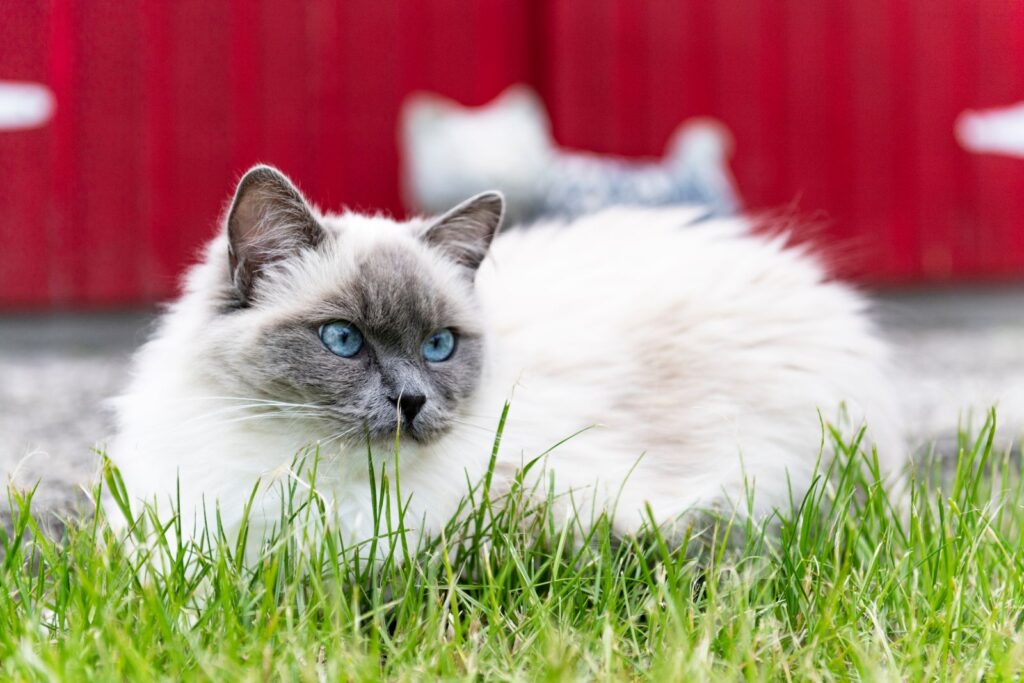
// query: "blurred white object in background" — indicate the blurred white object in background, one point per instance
point(694, 171)
point(450, 151)
point(24, 105)
point(993, 131)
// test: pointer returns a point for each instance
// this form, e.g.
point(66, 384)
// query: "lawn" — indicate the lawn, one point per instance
point(845, 583)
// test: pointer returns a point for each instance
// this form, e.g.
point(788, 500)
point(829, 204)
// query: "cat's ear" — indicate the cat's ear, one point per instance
point(269, 220)
point(464, 234)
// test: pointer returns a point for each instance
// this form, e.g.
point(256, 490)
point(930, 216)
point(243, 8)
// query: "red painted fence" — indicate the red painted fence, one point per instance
point(845, 109)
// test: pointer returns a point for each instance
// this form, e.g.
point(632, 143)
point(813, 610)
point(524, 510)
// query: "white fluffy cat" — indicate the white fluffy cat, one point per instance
point(696, 359)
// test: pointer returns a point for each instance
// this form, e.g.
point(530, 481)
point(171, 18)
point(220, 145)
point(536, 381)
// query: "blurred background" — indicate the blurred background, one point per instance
point(887, 127)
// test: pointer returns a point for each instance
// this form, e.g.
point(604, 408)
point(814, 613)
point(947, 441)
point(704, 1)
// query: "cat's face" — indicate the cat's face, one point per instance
point(363, 326)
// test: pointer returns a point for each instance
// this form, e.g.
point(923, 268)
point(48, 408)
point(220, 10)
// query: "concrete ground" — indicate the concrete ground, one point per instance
point(958, 352)
point(56, 374)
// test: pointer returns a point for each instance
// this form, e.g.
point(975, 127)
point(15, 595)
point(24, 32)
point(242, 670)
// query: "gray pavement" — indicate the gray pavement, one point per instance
point(958, 352)
point(56, 373)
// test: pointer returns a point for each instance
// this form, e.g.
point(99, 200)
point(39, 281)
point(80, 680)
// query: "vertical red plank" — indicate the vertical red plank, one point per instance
point(871, 190)
point(157, 187)
point(699, 59)
point(24, 170)
point(283, 99)
point(582, 103)
point(1013, 25)
point(962, 79)
point(327, 115)
point(477, 49)
point(807, 134)
point(418, 29)
point(448, 50)
point(97, 209)
point(999, 180)
point(770, 110)
point(904, 248)
point(838, 141)
point(934, 112)
point(200, 110)
point(502, 32)
point(666, 98)
point(246, 84)
point(630, 81)
point(106, 220)
point(65, 260)
point(372, 47)
point(683, 57)
point(557, 69)
point(541, 37)
point(736, 26)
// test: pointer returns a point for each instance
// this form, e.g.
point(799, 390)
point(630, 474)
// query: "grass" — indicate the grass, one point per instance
point(846, 583)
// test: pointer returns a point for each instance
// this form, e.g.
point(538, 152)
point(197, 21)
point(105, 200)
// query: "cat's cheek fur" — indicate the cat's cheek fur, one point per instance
point(693, 361)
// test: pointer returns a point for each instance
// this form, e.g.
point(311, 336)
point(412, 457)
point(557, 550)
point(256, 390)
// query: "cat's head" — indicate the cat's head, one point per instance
point(450, 151)
point(361, 324)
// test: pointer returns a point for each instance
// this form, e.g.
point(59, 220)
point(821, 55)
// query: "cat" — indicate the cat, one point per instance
point(692, 365)
point(450, 151)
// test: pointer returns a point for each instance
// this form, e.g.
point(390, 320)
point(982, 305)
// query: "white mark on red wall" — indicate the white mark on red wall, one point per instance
point(25, 105)
point(992, 131)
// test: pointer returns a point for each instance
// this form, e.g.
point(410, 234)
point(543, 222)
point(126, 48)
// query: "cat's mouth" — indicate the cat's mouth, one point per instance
point(399, 432)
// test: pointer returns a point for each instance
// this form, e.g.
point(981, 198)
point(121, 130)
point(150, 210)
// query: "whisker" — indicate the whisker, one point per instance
point(278, 416)
point(268, 409)
point(338, 435)
point(254, 400)
point(465, 423)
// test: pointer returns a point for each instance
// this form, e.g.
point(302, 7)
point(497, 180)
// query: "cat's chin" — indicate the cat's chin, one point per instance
point(386, 436)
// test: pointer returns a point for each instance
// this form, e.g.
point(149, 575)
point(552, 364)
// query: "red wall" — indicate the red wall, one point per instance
point(844, 110)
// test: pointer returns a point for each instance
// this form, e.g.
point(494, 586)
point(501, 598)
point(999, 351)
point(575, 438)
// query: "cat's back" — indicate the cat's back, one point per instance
point(690, 342)
point(624, 265)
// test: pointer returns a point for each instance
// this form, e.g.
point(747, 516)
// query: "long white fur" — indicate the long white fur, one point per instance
point(697, 360)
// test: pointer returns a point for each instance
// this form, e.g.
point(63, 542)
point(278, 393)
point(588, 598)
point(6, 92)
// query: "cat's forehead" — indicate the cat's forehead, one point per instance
point(393, 289)
point(379, 274)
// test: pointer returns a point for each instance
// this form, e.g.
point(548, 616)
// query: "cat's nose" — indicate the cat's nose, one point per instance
point(409, 404)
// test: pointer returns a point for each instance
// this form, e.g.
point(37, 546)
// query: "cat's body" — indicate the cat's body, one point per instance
point(692, 360)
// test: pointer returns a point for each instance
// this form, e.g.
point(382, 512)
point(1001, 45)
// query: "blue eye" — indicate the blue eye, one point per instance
point(342, 338)
point(439, 346)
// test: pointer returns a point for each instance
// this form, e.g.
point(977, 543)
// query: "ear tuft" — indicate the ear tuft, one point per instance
point(465, 233)
point(269, 220)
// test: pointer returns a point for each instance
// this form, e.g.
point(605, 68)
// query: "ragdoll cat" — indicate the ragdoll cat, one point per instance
point(450, 152)
point(693, 364)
